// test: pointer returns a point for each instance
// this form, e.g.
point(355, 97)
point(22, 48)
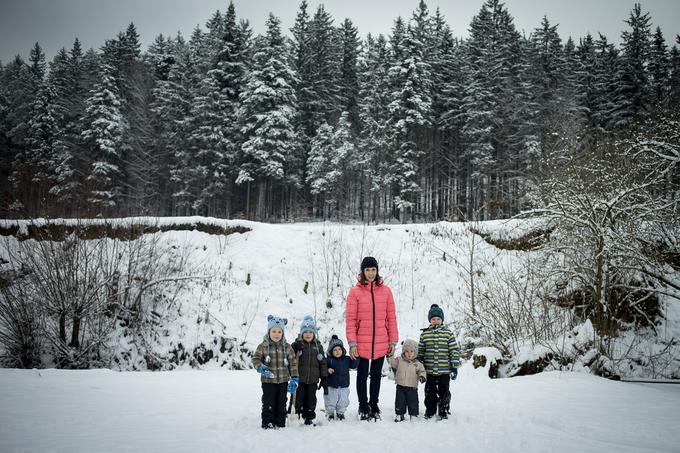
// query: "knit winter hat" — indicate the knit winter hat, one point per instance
point(435, 310)
point(369, 261)
point(275, 321)
point(335, 341)
point(308, 325)
point(409, 345)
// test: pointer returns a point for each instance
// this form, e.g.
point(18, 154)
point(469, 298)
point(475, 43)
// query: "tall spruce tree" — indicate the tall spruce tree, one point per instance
point(634, 90)
point(103, 137)
point(410, 111)
point(349, 79)
point(375, 133)
point(268, 108)
point(659, 70)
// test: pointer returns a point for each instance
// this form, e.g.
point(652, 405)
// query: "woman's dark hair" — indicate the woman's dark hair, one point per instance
point(364, 282)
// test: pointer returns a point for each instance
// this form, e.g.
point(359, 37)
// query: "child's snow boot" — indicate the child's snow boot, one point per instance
point(399, 418)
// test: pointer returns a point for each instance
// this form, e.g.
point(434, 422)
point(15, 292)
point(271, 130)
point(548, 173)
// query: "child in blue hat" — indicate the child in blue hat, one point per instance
point(276, 361)
point(312, 367)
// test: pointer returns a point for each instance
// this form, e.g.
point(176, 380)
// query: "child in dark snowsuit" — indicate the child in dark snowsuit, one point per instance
point(336, 394)
point(438, 350)
point(312, 367)
point(275, 360)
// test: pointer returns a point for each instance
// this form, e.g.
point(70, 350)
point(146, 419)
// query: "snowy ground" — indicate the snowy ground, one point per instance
point(101, 410)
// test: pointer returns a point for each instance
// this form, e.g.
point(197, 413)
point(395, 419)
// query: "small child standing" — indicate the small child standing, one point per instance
point(312, 367)
point(408, 371)
point(336, 392)
point(275, 360)
point(439, 352)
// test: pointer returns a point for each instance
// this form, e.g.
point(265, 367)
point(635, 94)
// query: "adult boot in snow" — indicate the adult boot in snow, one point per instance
point(375, 412)
point(364, 411)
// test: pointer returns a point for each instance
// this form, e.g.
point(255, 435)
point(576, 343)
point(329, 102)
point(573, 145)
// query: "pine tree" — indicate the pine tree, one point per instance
point(5, 156)
point(634, 92)
point(319, 166)
point(659, 70)
point(674, 78)
point(331, 164)
point(103, 136)
point(437, 166)
point(349, 79)
point(606, 101)
point(375, 134)
point(229, 76)
point(268, 107)
point(172, 105)
point(490, 74)
point(549, 77)
point(37, 62)
point(160, 56)
point(410, 110)
point(19, 86)
point(215, 136)
point(45, 147)
point(302, 65)
point(325, 58)
point(212, 41)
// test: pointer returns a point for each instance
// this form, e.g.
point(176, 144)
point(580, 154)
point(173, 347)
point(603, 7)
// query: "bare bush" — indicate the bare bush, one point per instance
point(607, 211)
point(20, 324)
point(73, 294)
point(513, 309)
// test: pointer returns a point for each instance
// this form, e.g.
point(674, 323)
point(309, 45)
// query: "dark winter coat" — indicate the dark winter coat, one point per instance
point(311, 361)
point(438, 350)
point(279, 358)
point(341, 366)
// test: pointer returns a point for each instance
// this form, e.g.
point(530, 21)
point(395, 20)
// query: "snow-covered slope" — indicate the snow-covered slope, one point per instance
point(291, 270)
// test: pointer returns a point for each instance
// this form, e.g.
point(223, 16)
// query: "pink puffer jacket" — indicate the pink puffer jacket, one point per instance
point(371, 320)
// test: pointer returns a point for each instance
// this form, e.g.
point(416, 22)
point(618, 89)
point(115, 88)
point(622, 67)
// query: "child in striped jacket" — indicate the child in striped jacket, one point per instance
point(438, 350)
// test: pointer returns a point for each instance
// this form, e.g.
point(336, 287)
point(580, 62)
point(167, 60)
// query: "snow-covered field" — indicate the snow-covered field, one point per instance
point(205, 411)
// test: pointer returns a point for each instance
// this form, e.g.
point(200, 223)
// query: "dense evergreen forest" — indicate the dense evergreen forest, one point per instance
point(317, 122)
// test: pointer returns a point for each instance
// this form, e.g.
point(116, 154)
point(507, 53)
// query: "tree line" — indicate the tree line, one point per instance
point(320, 123)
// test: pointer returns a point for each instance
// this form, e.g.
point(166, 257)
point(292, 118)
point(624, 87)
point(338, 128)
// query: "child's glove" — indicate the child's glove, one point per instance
point(421, 379)
point(324, 384)
point(454, 374)
point(293, 384)
point(264, 371)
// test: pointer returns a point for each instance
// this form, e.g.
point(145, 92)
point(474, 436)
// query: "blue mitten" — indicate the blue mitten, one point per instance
point(454, 374)
point(293, 384)
point(264, 371)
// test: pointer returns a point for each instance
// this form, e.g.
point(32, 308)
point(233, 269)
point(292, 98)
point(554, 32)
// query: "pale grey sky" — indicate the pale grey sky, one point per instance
point(56, 23)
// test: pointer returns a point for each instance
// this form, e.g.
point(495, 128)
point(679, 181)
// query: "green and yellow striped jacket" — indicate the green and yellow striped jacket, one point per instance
point(438, 350)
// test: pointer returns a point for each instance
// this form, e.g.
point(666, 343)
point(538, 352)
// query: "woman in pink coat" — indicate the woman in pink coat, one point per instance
point(372, 332)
